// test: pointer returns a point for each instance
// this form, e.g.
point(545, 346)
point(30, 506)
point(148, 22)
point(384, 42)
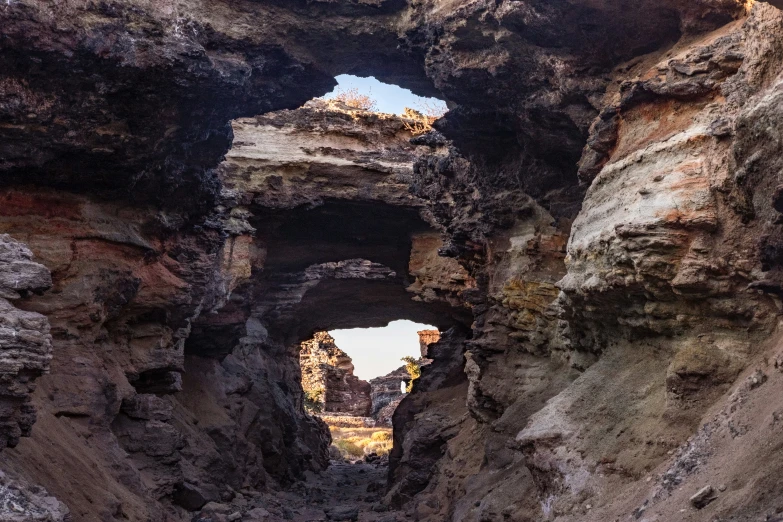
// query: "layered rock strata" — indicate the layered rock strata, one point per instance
point(664, 286)
point(595, 230)
point(426, 338)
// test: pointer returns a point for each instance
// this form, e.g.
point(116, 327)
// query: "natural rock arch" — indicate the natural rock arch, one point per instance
point(115, 121)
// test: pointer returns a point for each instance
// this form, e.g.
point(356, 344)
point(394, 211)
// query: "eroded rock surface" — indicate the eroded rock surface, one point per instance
point(594, 228)
point(327, 374)
point(25, 341)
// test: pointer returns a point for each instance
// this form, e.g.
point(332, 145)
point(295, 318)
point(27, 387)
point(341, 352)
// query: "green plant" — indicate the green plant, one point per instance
point(314, 400)
point(382, 447)
point(354, 443)
point(413, 366)
point(381, 436)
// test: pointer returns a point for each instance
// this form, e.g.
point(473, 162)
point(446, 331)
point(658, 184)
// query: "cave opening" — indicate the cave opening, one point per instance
point(371, 94)
point(315, 229)
point(354, 380)
point(377, 351)
point(328, 238)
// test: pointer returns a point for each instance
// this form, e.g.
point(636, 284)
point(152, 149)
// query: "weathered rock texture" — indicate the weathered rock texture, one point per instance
point(176, 377)
point(25, 342)
point(595, 361)
point(595, 230)
point(328, 372)
point(386, 394)
point(22, 502)
point(426, 338)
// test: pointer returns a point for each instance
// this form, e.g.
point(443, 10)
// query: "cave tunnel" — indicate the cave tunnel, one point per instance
point(338, 241)
point(191, 347)
point(338, 265)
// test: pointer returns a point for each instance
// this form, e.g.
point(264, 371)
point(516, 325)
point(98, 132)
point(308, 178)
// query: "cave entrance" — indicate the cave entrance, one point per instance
point(372, 95)
point(325, 234)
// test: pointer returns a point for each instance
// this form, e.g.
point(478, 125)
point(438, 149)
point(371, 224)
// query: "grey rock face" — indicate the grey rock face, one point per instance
point(21, 501)
point(25, 341)
point(387, 390)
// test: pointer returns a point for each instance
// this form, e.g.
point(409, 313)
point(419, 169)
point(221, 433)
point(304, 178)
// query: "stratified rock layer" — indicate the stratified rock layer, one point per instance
point(426, 338)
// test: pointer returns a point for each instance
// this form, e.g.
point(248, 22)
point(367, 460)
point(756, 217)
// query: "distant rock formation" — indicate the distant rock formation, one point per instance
point(327, 373)
point(387, 392)
point(426, 338)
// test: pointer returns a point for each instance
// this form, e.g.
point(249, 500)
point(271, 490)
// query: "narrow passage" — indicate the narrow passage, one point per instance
point(343, 492)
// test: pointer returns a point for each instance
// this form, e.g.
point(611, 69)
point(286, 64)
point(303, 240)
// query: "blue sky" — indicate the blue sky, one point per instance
point(377, 351)
point(390, 98)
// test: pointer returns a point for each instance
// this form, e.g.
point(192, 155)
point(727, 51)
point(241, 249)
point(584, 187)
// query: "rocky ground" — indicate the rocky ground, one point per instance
point(343, 492)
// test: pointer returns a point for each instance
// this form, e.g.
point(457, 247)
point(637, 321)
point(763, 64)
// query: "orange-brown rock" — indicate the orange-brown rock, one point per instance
point(426, 338)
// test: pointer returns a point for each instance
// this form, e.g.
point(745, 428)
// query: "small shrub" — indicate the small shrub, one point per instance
point(348, 448)
point(355, 443)
point(354, 99)
point(413, 366)
point(378, 447)
point(419, 121)
point(314, 400)
point(381, 436)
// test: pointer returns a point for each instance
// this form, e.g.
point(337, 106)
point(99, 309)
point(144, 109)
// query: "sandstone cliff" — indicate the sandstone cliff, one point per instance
point(595, 229)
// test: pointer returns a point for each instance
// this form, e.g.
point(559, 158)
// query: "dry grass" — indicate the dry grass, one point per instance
point(355, 99)
point(419, 121)
point(345, 421)
point(355, 443)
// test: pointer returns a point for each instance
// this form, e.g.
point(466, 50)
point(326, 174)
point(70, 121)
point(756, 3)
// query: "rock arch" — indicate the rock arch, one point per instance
point(183, 270)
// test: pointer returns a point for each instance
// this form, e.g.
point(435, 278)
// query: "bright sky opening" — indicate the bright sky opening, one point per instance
point(389, 98)
point(377, 351)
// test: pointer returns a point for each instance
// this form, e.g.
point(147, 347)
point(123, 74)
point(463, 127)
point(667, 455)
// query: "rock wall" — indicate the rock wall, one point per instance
point(649, 315)
point(328, 371)
point(24, 337)
point(595, 230)
point(176, 377)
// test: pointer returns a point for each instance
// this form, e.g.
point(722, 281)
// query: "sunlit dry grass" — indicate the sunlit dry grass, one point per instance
point(355, 443)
